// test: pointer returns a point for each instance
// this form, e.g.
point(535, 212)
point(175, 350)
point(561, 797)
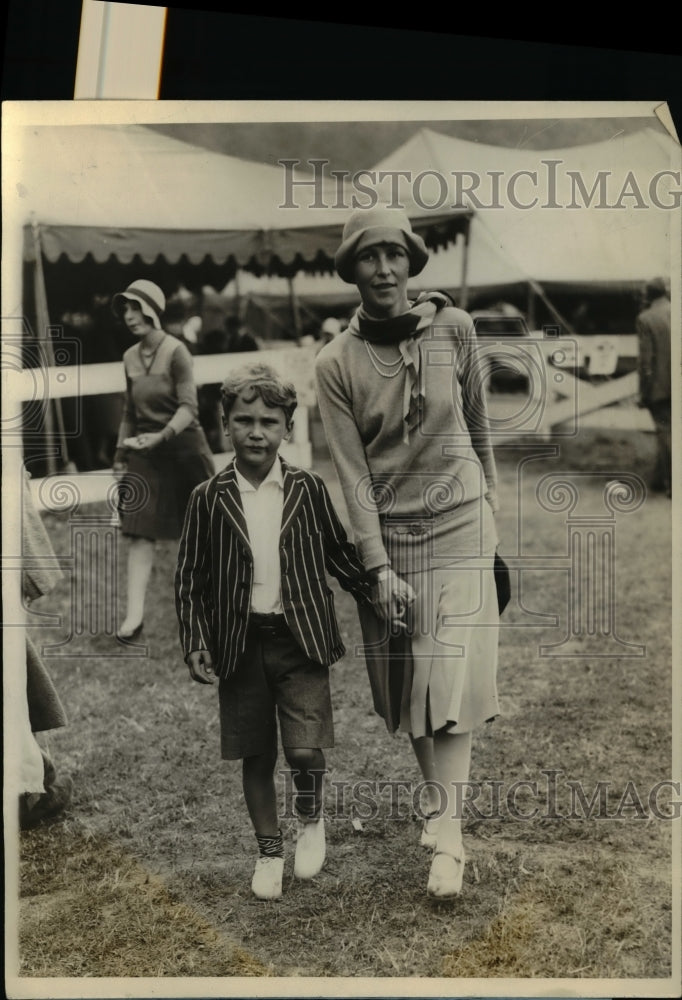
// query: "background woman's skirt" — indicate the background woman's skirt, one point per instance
point(155, 489)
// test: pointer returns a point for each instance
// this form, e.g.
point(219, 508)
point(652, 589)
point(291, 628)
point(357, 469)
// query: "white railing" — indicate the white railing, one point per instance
point(559, 401)
point(296, 364)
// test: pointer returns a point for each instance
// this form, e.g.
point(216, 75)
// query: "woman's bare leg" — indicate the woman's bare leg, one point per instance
point(424, 752)
point(452, 754)
point(140, 563)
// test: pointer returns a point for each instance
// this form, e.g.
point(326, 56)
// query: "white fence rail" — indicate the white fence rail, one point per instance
point(559, 401)
point(294, 363)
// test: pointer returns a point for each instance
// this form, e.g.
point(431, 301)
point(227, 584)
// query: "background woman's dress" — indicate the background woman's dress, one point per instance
point(155, 489)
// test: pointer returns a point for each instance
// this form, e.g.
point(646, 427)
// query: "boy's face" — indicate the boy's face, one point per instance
point(256, 431)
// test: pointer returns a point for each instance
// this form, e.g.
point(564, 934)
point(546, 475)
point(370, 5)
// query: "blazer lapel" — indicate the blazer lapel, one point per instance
point(292, 499)
point(229, 499)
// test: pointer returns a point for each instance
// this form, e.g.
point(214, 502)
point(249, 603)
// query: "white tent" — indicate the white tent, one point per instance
point(606, 231)
point(83, 201)
point(127, 191)
point(606, 226)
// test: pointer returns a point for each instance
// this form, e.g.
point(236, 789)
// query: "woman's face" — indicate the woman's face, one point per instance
point(134, 318)
point(381, 274)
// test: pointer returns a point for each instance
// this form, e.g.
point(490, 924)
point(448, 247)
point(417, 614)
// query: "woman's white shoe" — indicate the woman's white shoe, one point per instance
point(446, 875)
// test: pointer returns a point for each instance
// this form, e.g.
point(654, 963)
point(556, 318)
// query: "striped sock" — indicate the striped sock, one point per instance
point(271, 847)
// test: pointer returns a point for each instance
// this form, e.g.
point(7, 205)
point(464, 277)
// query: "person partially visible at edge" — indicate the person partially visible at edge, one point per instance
point(404, 410)
point(44, 789)
point(653, 327)
point(256, 613)
point(161, 452)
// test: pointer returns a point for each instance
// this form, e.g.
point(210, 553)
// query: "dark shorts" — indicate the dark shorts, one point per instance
point(274, 678)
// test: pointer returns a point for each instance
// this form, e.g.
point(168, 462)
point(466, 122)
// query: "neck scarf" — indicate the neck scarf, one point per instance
point(403, 331)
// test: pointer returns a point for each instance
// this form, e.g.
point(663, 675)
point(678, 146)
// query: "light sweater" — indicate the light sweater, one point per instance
point(447, 462)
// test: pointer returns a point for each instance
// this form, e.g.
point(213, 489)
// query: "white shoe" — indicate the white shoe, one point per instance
point(310, 848)
point(446, 875)
point(429, 832)
point(267, 878)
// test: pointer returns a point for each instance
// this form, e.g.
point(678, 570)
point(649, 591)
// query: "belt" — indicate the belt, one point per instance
point(271, 623)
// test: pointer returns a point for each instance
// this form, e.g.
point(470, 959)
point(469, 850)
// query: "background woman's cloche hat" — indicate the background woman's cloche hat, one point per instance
point(149, 297)
point(375, 225)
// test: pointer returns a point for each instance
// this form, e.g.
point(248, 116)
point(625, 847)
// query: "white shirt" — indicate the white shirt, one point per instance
point(263, 513)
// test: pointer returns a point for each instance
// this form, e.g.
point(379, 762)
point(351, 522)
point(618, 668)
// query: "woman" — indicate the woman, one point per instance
point(162, 453)
point(402, 400)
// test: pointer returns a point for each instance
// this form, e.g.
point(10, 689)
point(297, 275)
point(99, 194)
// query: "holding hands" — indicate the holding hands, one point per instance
point(392, 597)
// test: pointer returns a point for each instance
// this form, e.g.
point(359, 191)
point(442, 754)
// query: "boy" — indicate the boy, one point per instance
point(256, 612)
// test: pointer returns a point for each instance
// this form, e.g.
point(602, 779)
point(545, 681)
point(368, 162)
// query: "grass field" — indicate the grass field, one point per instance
point(148, 872)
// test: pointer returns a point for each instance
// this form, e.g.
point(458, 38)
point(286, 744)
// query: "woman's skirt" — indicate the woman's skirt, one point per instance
point(442, 674)
point(155, 489)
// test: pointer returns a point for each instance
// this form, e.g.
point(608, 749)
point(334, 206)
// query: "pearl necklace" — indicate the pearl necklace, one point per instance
point(377, 361)
point(147, 357)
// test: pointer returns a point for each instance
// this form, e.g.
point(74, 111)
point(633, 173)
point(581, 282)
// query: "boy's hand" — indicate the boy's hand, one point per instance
point(200, 663)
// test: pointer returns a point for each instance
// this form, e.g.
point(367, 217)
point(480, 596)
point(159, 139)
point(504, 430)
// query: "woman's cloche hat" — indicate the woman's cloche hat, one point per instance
point(380, 224)
point(149, 297)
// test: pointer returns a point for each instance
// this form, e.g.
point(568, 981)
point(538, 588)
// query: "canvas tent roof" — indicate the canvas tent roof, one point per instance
point(582, 248)
point(129, 191)
point(590, 242)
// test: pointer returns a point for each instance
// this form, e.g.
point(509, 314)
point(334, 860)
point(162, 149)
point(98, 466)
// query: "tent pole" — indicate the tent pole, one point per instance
point(540, 292)
point(45, 335)
point(530, 308)
point(43, 322)
point(295, 311)
point(463, 289)
point(238, 304)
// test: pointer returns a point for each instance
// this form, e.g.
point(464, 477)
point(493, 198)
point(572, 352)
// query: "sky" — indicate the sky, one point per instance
point(358, 145)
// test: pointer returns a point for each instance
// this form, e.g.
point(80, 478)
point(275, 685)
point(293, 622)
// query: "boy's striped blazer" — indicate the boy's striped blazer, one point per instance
point(214, 574)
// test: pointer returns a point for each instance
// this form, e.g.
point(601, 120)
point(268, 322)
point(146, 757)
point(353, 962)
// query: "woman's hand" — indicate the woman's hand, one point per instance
point(392, 598)
point(144, 442)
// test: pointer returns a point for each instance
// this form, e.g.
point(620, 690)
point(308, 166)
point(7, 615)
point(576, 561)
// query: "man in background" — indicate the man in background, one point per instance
point(653, 331)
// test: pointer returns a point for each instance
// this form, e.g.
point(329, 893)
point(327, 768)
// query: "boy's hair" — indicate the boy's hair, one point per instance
point(258, 379)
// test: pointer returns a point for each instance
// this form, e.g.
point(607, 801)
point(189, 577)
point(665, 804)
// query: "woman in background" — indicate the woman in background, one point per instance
point(162, 452)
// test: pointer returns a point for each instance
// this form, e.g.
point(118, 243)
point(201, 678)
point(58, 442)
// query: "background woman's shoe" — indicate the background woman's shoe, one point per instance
point(130, 636)
point(446, 875)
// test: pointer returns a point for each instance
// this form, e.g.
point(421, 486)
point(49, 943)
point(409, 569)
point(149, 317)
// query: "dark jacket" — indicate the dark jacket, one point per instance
point(653, 330)
point(214, 577)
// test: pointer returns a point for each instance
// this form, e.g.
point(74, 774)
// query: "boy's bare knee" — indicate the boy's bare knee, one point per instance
point(304, 758)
